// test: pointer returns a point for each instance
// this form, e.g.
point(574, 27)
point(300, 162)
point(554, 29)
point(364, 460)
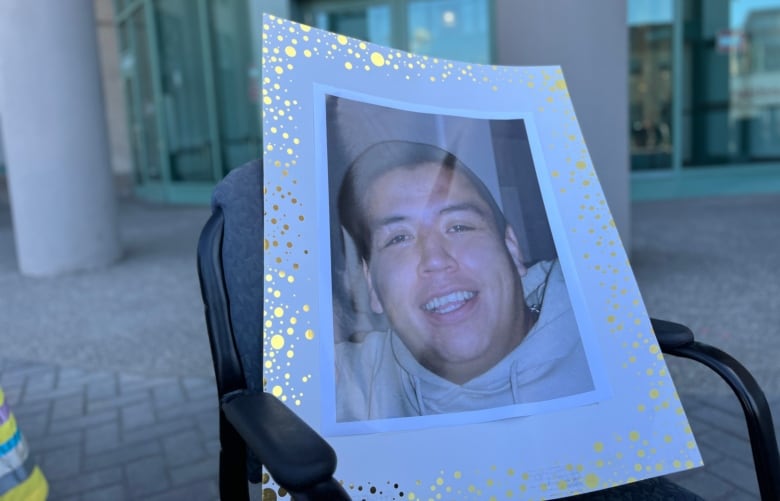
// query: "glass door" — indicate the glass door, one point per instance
point(190, 84)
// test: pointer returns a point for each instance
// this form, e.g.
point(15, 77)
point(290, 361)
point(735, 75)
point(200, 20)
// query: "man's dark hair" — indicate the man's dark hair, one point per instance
point(386, 156)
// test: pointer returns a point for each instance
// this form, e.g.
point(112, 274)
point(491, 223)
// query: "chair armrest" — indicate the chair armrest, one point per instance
point(297, 458)
point(678, 340)
point(671, 335)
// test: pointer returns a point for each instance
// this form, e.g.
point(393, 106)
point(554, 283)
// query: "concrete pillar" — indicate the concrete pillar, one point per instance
point(60, 184)
point(589, 40)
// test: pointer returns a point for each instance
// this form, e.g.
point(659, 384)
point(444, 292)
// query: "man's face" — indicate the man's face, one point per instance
point(446, 277)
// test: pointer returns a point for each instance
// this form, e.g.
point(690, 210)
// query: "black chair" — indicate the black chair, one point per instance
point(257, 429)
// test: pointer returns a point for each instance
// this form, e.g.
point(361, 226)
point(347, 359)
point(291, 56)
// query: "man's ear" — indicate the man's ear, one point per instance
point(510, 239)
point(376, 305)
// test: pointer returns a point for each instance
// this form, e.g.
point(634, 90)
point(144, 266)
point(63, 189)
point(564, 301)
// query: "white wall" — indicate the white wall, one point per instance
point(589, 40)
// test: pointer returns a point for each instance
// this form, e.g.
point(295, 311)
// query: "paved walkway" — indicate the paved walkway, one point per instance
point(109, 372)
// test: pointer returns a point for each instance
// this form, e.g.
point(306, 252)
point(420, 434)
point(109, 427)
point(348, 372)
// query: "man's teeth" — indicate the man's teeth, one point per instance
point(448, 303)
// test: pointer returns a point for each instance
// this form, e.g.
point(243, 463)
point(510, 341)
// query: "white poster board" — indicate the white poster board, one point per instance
point(469, 188)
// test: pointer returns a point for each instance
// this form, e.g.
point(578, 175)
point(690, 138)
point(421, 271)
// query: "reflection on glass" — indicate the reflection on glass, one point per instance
point(752, 45)
point(731, 104)
point(136, 67)
point(370, 23)
point(237, 80)
point(451, 29)
point(650, 83)
point(184, 94)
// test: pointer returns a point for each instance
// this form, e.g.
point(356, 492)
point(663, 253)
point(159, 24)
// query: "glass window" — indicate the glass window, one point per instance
point(650, 83)
point(729, 104)
point(236, 74)
point(750, 42)
point(452, 29)
point(136, 71)
point(183, 89)
point(365, 22)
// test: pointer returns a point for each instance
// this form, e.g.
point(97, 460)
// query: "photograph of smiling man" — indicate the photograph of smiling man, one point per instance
point(442, 304)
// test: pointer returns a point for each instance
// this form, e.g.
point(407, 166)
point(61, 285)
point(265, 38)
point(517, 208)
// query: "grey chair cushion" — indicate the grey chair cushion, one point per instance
point(239, 195)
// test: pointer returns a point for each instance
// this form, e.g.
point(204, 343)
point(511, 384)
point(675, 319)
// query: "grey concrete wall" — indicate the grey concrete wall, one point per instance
point(589, 40)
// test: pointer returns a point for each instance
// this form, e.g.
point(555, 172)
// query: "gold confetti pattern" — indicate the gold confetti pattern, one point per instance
point(635, 448)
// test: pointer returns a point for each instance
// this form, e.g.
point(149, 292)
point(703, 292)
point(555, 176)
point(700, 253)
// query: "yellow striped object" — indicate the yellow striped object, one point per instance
point(20, 477)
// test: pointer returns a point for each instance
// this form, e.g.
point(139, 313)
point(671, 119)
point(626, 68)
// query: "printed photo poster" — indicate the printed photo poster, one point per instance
point(447, 298)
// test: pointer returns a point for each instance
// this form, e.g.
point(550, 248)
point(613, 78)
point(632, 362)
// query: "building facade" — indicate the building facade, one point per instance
point(182, 80)
point(704, 82)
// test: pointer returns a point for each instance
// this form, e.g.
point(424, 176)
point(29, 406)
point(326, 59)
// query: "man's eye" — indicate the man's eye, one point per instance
point(396, 239)
point(459, 228)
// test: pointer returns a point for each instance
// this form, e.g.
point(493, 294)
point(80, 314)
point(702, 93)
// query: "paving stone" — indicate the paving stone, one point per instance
point(52, 442)
point(201, 470)
point(88, 481)
point(42, 382)
point(192, 409)
point(146, 476)
point(133, 383)
point(12, 393)
point(208, 422)
point(195, 491)
point(719, 419)
point(33, 423)
point(705, 484)
point(117, 401)
point(725, 444)
point(158, 431)
point(115, 492)
point(100, 388)
point(101, 438)
point(61, 463)
point(122, 454)
point(198, 388)
point(137, 415)
point(17, 376)
point(212, 446)
point(72, 376)
point(168, 394)
point(32, 408)
point(69, 407)
point(742, 476)
point(75, 497)
point(183, 448)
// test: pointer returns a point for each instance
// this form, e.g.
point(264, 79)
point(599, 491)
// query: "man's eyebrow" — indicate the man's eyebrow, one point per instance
point(458, 207)
point(465, 206)
point(387, 221)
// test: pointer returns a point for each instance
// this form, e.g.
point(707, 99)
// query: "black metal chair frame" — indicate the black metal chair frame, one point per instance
point(303, 463)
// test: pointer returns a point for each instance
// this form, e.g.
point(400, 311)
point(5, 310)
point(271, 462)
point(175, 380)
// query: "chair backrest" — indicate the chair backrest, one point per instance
point(230, 268)
point(237, 201)
point(230, 256)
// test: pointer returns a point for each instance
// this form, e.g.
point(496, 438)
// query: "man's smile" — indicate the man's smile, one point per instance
point(449, 302)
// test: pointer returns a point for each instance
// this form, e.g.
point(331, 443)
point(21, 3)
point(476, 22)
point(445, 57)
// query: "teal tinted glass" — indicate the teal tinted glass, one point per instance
point(651, 83)
point(236, 76)
point(452, 29)
point(183, 90)
point(750, 44)
point(136, 71)
point(370, 22)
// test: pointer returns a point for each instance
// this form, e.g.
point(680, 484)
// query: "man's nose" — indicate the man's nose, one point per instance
point(435, 254)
